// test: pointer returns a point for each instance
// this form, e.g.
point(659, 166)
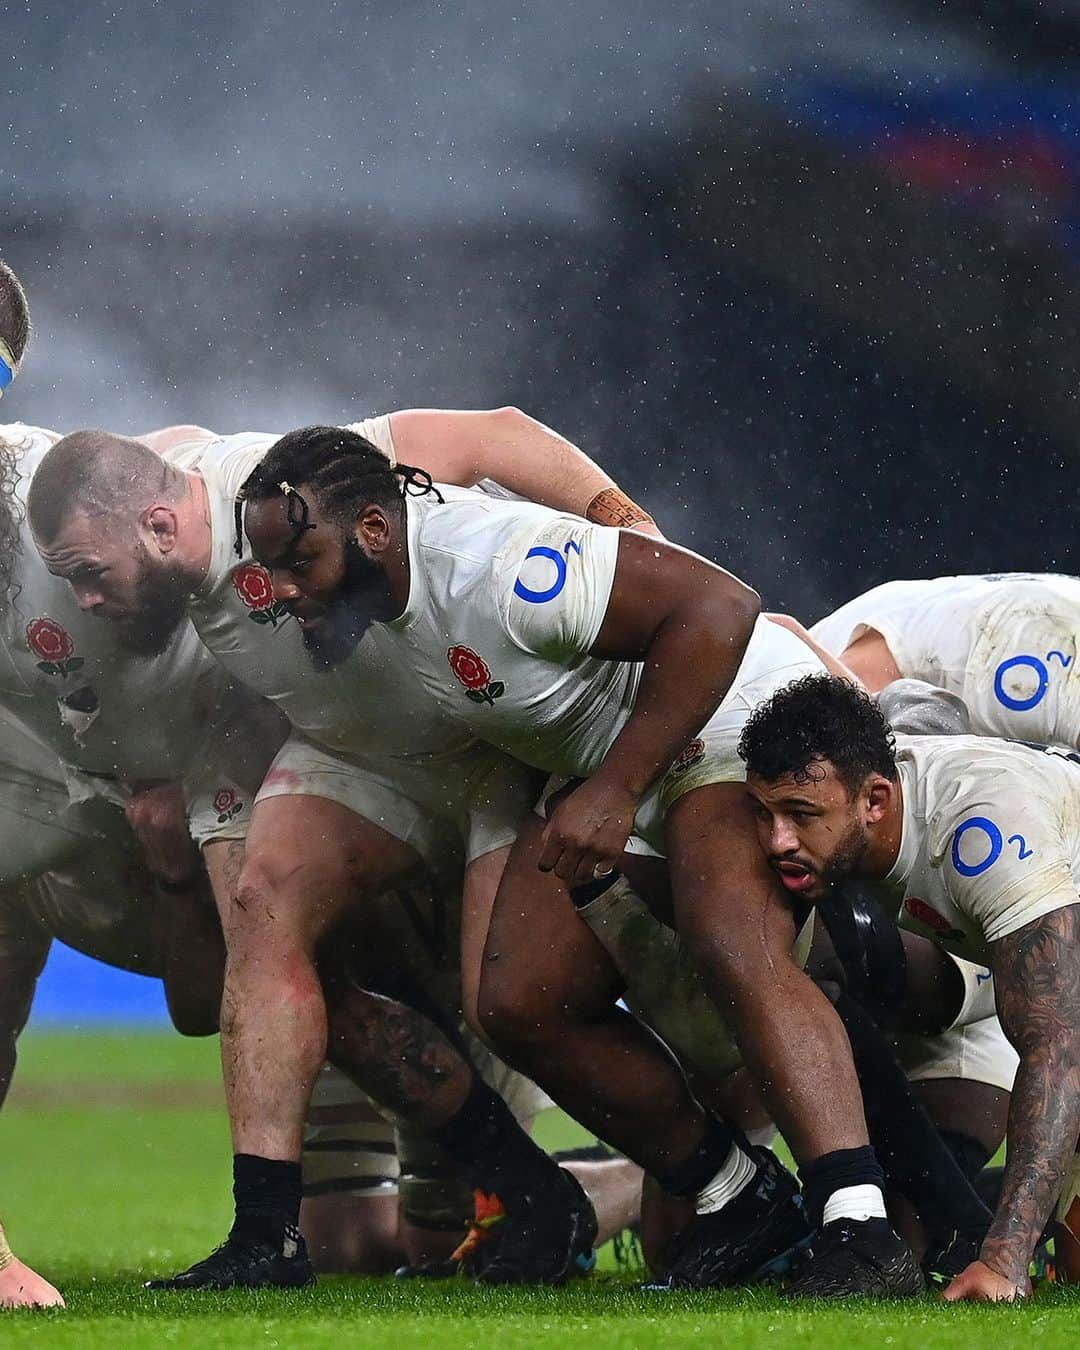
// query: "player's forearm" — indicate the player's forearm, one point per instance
point(689, 666)
point(1037, 981)
point(1044, 1119)
point(518, 452)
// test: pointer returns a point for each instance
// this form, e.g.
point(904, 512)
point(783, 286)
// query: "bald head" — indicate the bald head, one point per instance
point(101, 476)
point(127, 530)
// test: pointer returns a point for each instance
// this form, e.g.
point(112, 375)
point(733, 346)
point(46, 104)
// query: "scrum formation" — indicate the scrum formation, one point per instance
point(418, 764)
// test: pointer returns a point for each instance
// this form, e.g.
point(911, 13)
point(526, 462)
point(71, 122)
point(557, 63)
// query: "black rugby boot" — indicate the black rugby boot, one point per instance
point(243, 1264)
point(756, 1234)
point(547, 1240)
point(851, 1257)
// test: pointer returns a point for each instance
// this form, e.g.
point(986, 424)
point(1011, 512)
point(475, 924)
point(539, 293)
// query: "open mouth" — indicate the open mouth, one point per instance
point(794, 876)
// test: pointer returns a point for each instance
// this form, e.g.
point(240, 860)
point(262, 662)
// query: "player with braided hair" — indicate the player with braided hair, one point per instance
point(600, 656)
point(357, 798)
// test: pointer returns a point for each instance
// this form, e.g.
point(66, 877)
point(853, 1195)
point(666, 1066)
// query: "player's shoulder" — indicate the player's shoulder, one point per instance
point(229, 459)
point(966, 783)
point(471, 525)
point(28, 442)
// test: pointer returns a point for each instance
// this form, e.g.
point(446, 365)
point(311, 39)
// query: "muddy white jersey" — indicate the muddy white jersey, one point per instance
point(371, 706)
point(66, 678)
point(1006, 644)
point(990, 839)
point(505, 601)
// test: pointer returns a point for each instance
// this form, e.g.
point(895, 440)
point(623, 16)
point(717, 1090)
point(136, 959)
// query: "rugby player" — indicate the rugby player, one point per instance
point(975, 843)
point(598, 655)
point(375, 782)
point(1006, 644)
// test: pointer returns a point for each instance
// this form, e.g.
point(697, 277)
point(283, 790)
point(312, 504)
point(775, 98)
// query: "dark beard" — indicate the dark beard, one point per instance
point(364, 597)
point(847, 857)
point(161, 602)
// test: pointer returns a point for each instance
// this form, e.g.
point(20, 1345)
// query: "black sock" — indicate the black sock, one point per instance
point(267, 1194)
point(915, 1159)
point(835, 1171)
point(492, 1148)
point(687, 1178)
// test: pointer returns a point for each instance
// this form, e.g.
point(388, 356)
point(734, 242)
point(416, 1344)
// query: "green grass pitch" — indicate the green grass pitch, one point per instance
point(116, 1167)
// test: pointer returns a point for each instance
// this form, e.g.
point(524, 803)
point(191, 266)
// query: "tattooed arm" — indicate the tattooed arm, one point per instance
point(1037, 983)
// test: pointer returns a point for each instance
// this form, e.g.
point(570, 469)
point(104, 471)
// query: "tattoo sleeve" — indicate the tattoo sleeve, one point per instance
point(1037, 983)
point(397, 1055)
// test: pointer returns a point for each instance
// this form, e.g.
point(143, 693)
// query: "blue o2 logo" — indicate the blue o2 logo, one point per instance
point(1037, 669)
point(558, 580)
point(991, 838)
point(984, 837)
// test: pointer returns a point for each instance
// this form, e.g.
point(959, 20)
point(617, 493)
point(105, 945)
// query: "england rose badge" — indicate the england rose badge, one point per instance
point(472, 673)
point(53, 647)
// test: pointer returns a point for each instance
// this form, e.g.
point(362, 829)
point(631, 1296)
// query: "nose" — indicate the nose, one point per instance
point(283, 586)
point(88, 597)
point(782, 836)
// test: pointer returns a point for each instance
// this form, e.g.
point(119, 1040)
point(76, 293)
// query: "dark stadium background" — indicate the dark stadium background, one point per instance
point(802, 276)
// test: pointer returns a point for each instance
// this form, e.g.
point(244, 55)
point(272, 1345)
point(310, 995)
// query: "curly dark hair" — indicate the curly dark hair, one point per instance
point(820, 717)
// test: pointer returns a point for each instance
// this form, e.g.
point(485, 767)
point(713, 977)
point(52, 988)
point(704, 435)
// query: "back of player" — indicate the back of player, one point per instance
point(1005, 643)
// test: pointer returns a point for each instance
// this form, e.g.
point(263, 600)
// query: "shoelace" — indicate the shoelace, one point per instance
point(488, 1213)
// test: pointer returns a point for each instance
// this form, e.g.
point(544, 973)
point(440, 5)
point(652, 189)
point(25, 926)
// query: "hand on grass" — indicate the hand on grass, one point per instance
point(979, 1284)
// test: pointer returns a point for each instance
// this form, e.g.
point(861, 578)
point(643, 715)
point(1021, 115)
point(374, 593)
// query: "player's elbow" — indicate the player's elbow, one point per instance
point(734, 607)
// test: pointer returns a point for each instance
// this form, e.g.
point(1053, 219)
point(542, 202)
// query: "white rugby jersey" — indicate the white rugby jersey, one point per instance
point(66, 678)
point(505, 600)
point(369, 706)
point(1006, 644)
point(990, 840)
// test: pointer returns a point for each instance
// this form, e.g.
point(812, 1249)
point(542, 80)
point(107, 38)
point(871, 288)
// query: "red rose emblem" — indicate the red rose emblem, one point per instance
point(919, 909)
point(693, 752)
point(48, 641)
point(53, 647)
point(471, 671)
point(227, 804)
point(253, 586)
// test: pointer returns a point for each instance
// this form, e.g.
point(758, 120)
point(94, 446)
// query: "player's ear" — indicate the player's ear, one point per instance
point(374, 531)
point(878, 794)
point(160, 523)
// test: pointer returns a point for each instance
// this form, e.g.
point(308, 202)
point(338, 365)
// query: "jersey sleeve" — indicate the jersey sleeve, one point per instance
point(557, 587)
point(1007, 864)
point(377, 431)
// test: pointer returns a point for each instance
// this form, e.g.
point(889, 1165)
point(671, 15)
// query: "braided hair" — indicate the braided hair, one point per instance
point(345, 470)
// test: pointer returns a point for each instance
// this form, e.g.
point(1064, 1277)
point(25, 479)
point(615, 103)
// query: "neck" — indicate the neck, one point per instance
point(197, 529)
point(398, 574)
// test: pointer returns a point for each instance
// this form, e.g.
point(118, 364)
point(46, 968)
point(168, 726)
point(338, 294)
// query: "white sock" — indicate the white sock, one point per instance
point(855, 1202)
point(735, 1175)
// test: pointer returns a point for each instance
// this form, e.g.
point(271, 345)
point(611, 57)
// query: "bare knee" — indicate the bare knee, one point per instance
point(282, 905)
